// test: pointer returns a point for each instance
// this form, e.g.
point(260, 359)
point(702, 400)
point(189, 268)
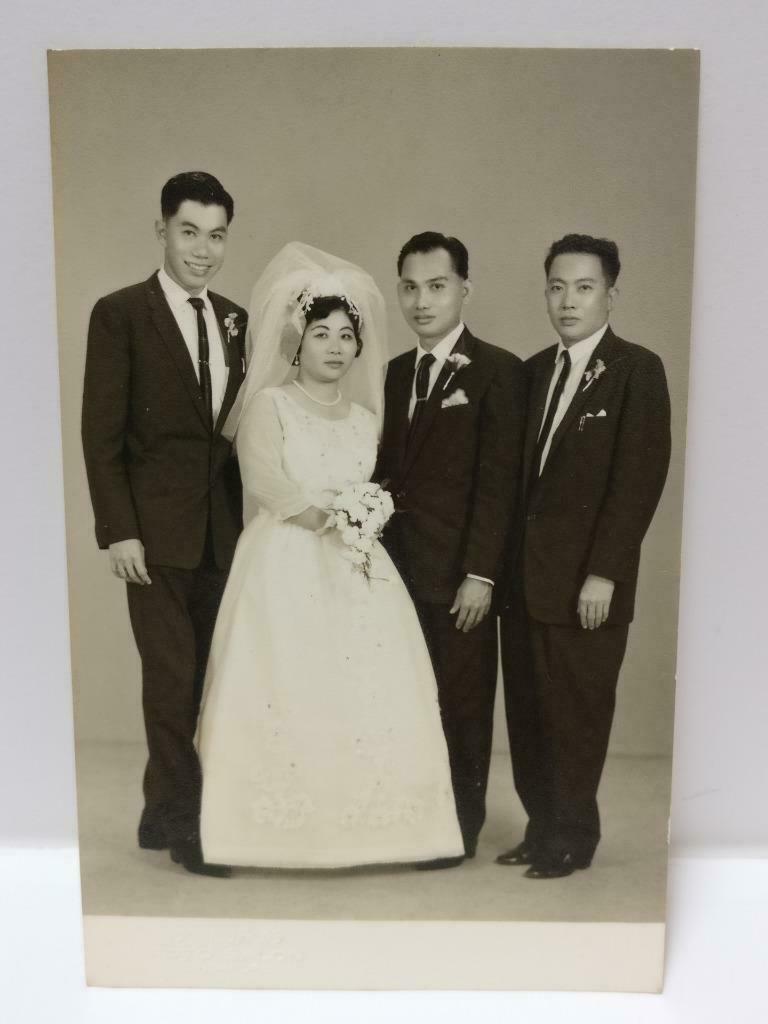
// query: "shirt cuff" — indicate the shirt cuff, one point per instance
point(483, 579)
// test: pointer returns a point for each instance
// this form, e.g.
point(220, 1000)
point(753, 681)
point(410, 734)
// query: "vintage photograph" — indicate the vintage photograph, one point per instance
point(374, 370)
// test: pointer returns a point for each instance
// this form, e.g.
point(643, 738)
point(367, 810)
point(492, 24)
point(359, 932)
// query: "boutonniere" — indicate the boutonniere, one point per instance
point(230, 322)
point(457, 361)
point(457, 397)
point(594, 374)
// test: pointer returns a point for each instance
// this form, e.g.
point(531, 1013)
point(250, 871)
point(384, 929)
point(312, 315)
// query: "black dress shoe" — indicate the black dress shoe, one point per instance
point(558, 866)
point(152, 837)
point(439, 863)
point(523, 853)
point(190, 855)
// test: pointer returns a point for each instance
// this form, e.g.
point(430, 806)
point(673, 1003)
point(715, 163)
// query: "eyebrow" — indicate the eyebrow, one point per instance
point(431, 280)
point(191, 224)
point(579, 280)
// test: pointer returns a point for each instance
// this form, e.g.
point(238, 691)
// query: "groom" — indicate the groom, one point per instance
point(163, 366)
point(450, 455)
point(596, 455)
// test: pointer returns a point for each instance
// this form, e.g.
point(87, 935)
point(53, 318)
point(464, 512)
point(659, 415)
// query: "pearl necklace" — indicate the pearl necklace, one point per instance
point(312, 398)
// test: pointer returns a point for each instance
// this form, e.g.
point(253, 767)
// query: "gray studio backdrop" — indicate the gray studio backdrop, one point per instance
point(353, 151)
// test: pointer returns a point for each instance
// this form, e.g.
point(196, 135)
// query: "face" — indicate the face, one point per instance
point(431, 295)
point(328, 348)
point(578, 296)
point(194, 239)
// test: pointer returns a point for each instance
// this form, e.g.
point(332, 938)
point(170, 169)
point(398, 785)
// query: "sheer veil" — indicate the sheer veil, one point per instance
point(276, 321)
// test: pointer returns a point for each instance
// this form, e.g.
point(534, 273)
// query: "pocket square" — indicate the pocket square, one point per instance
point(590, 416)
point(457, 397)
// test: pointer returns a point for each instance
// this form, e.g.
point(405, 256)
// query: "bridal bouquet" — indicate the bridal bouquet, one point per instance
point(359, 513)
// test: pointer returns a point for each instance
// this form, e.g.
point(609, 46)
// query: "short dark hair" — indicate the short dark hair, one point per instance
point(198, 186)
point(324, 305)
point(606, 251)
point(428, 241)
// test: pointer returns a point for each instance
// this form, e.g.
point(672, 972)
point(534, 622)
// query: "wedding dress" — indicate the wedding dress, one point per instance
point(320, 738)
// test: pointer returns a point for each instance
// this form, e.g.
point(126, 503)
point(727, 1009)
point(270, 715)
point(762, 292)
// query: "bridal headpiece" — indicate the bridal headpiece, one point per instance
point(282, 297)
point(316, 291)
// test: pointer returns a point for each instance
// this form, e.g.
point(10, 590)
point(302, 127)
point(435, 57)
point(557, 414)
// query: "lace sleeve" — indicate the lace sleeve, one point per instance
point(259, 445)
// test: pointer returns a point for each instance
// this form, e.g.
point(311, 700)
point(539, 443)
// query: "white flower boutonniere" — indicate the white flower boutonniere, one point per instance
point(457, 397)
point(457, 361)
point(594, 374)
point(230, 322)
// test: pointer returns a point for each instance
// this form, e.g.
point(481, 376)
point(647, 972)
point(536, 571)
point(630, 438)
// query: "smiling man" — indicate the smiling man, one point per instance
point(163, 366)
point(453, 422)
point(596, 455)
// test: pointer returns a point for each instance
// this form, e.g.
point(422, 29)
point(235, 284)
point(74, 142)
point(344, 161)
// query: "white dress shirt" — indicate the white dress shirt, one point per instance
point(186, 317)
point(580, 353)
point(441, 351)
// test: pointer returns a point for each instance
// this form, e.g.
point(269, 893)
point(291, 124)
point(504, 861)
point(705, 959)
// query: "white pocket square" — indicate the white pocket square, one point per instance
point(457, 397)
point(595, 415)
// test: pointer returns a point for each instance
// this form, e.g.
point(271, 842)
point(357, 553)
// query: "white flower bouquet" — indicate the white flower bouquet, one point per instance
point(359, 513)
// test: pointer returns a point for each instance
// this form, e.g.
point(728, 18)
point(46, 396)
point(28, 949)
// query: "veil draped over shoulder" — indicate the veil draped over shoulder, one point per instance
point(297, 275)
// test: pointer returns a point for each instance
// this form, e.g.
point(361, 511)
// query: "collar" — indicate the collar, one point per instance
point(443, 348)
point(175, 294)
point(582, 350)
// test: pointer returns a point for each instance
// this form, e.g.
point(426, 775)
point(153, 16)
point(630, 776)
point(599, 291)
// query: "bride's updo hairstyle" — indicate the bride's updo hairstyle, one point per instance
point(324, 305)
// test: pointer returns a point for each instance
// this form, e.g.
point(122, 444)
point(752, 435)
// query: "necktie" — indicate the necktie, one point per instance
point(550, 416)
point(202, 359)
point(422, 390)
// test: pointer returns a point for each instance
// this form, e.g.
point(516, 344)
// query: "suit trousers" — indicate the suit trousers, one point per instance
point(560, 695)
point(173, 622)
point(465, 667)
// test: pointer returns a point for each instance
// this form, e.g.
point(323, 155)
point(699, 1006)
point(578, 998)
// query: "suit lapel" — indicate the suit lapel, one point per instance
point(398, 398)
point(605, 351)
point(232, 357)
point(538, 400)
point(464, 345)
point(168, 329)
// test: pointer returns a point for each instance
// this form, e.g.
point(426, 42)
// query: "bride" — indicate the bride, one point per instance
point(319, 737)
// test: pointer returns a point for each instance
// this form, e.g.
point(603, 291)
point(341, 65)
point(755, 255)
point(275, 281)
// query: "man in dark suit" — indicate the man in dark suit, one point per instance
point(163, 366)
point(595, 460)
point(450, 454)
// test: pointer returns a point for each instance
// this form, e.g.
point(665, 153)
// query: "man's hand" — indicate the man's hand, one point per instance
point(472, 602)
point(126, 560)
point(595, 601)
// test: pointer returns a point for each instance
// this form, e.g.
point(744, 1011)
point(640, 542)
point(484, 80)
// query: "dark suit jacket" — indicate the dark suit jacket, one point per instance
point(155, 469)
point(589, 510)
point(455, 484)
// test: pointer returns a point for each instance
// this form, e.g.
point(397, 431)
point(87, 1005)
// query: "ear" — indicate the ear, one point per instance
point(468, 289)
point(160, 233)
point(613, 295)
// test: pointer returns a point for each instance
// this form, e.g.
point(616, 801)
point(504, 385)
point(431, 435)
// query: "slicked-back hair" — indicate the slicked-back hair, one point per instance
point(428, 241)
point(606, 251)
point(200, 187)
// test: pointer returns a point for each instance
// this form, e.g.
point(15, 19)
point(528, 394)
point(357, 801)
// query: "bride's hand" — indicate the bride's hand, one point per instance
point(314, 519)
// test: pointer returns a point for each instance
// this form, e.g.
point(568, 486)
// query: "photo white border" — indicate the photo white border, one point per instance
point(173, 952)
point(718, 786)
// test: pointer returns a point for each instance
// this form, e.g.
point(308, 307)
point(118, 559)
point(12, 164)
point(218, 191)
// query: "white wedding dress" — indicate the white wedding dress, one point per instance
point(320, 737)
